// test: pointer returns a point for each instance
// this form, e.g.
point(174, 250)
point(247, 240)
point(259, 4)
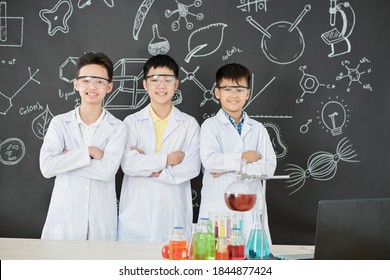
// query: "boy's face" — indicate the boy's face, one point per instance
point(232, 95)
point(92, 84)
point(160, 85)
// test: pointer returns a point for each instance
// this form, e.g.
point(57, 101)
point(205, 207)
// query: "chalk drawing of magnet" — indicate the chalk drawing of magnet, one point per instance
point(57, 18)
point(11, 28)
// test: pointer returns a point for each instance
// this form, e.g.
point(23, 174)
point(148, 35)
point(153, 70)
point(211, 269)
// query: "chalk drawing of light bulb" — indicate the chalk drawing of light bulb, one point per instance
point(334, 117)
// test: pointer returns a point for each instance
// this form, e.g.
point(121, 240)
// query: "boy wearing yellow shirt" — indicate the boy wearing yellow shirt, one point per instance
point(161, 157)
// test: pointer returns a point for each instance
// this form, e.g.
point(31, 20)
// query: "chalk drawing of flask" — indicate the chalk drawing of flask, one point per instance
point(158, 44)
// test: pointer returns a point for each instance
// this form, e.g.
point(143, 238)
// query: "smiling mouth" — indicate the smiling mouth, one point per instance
point(161, 93)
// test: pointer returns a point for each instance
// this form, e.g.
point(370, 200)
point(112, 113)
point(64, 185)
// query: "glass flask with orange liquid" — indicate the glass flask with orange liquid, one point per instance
point(240, 195)
point(178, 245)
point(221, 250)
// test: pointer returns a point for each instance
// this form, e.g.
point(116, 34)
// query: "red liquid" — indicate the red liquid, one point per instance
point(236, 252)
point(240, 202)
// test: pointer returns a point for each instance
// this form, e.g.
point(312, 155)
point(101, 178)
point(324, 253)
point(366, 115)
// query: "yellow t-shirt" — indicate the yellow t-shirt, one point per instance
point(159, 125)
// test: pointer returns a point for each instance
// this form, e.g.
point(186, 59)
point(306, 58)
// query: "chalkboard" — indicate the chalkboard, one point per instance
point(319, 86)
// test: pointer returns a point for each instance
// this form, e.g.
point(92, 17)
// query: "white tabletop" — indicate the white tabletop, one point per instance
point(38, 249)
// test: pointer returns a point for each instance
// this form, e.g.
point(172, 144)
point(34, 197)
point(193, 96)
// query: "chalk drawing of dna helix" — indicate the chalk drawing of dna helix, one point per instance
point(321, 166)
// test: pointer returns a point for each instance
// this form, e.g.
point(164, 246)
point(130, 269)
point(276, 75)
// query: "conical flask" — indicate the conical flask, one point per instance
point(257, 246)
point(240, 195)
point(158, 44)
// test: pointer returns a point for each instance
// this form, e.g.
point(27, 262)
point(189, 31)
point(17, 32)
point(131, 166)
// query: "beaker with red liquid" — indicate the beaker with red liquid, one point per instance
point(236, 245)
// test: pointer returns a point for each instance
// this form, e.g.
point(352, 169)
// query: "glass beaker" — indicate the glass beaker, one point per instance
point(204, 241)
point(236, 245)
point(178, 245)
point(191, 243)
point(221, 250)
point(240, 195)
point(257, 246)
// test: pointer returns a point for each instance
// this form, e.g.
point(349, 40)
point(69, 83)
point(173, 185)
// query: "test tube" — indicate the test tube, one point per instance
point(222, 229)
point(3, 21)
point(216, 225)
point(228, 224)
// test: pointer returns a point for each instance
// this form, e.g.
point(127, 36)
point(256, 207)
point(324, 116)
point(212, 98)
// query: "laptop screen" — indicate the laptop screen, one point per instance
point(353, 229)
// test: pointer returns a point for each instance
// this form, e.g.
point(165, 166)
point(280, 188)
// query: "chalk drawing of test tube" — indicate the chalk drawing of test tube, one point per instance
point(321, 166)
point(12, 151)
point(11, 28)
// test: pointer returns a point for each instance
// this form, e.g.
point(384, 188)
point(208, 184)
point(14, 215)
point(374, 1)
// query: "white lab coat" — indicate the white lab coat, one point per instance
point(150, 207)
point(84, 196)
point(220, 148)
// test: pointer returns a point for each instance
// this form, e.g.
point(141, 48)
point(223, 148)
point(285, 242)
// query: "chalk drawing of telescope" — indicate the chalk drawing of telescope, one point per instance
point(11, 28)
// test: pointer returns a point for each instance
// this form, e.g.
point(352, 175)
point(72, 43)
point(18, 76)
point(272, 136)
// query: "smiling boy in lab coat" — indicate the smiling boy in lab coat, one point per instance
point(229, 136)
point(161, 157)
point(83, 149)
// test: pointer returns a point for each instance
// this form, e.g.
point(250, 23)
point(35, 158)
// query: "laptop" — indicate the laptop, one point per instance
point(292, 252)
point(353, 229)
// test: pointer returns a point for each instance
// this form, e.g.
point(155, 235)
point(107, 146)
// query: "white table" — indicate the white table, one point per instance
point(38, 249)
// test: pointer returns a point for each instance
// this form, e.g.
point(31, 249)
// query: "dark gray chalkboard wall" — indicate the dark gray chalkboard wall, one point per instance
point(327, 114)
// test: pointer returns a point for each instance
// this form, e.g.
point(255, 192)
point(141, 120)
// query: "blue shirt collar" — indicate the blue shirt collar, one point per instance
point(237, 126)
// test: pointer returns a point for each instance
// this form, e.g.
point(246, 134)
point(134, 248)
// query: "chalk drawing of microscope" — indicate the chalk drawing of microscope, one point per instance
point(337, 38)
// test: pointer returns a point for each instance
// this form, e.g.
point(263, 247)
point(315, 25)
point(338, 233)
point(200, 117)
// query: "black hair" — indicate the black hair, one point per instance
point(161, 60)
point(234, 72)
point(95, 58)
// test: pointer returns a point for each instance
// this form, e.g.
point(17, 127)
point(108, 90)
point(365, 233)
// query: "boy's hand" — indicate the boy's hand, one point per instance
point(217, 174)
point(95, 153)
point(175, 158)
point(251, 156)
point(155, 174)
point(137, 149)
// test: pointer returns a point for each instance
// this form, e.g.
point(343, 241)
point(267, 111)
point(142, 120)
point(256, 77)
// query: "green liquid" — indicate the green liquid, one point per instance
point(204, 246)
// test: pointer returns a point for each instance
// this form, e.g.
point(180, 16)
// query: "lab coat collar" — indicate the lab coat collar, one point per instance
point(246, 126)
point(102, 132)
point(96, 123)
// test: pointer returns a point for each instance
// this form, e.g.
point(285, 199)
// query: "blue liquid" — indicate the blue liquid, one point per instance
point(253, 248)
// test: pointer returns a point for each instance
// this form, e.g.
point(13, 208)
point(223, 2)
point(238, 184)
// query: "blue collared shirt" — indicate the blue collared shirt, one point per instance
point(237, 126)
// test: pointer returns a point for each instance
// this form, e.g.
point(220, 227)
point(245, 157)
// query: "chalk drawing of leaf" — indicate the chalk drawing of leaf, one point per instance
point(205, 41)
point(41, 123)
